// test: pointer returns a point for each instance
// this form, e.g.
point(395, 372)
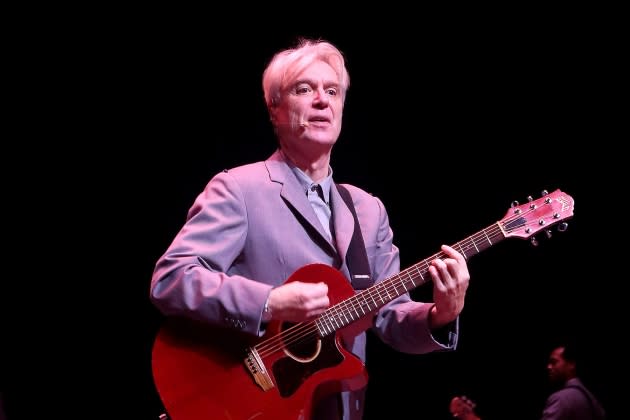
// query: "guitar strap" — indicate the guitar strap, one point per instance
point(356, 259)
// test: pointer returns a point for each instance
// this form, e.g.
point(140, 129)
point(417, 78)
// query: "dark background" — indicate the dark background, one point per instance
point(447, 126)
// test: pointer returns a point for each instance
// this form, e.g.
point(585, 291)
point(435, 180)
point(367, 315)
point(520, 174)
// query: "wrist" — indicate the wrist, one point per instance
point(435, 320)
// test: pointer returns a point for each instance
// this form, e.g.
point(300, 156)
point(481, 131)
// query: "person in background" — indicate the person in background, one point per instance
point(254, 225)
point(571, 400)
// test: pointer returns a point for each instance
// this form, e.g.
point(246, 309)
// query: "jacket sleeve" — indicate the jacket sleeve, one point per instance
point(403, 323)
point(191, 278)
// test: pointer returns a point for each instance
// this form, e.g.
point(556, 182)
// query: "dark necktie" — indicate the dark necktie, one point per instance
point(320, 191)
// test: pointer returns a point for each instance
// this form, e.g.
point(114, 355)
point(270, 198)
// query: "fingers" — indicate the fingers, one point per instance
point(316, 290)
point(299, 301)
point(438, 272)
point(452, 253)
point(450, 272)
point(316, 298)
point(306, 291)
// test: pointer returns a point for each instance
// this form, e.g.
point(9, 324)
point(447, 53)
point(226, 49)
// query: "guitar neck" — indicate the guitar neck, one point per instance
point(521, 221)
point(378, 295)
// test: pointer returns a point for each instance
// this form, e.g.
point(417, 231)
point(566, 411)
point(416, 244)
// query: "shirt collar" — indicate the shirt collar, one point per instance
point(306, 182)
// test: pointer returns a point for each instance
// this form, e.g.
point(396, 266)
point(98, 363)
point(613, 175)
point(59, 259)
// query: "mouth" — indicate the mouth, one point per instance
point(318, 122)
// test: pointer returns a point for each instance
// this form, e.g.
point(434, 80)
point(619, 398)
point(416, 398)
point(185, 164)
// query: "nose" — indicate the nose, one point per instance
point(321, 97)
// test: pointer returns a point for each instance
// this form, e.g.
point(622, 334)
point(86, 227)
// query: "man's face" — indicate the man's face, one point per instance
point(559, 369)
point(311, 108)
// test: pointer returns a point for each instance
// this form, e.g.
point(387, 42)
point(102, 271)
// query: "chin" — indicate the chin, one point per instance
point(324, 137)
point(318, 136)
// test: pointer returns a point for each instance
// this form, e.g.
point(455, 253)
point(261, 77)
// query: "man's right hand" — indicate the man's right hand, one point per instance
point(297, 301)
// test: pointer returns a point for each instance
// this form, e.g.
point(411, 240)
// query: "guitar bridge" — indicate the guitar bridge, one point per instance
point(257, 370)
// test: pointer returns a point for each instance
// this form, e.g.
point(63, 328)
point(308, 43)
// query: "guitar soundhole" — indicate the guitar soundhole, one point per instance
point(305, 359)
point(303, 348)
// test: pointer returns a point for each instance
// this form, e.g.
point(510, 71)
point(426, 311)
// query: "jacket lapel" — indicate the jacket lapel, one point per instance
point(294, 195)
point(343, 223)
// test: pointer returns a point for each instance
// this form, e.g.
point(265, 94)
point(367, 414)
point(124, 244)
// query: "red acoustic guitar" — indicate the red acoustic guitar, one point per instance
point(202, 374)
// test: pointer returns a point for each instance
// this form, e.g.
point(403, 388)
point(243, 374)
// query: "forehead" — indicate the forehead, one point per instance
point(316, 72)
point(556, 354)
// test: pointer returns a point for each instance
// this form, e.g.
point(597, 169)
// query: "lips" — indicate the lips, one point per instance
point(319, 121)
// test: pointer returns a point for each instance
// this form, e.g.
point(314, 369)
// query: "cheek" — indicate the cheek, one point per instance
point(296, 112)
point(338, 113)
point(295, 118)
point(338, 121)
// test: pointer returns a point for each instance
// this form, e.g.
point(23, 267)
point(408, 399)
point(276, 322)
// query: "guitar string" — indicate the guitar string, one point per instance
point(336, 313)
point(302, 331)
point(480, 238)
point(309, 330)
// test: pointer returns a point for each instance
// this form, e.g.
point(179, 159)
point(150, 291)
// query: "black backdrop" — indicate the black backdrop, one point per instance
point(447, 128)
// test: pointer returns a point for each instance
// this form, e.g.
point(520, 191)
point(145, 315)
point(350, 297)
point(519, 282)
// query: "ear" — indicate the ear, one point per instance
point(273, 114)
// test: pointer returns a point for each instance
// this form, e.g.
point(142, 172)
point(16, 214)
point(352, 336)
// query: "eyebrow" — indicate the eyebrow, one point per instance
point(327, 83)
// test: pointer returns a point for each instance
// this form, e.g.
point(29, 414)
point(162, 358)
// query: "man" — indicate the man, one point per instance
point(254, 226)
point(572, 401)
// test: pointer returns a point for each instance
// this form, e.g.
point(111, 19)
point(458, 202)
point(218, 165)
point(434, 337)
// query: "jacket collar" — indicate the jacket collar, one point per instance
point(292, 192)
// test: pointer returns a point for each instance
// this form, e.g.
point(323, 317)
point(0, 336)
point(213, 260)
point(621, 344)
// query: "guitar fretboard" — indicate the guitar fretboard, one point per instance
point(378, 295)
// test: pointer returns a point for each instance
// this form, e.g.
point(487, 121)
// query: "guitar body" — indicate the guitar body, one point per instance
point(201, 372)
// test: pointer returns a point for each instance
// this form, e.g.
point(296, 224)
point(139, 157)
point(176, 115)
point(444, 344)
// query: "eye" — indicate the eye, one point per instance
point(331, 91)
point(303, 89)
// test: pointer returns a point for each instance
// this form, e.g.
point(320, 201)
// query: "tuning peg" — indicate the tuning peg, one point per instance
point(514, 206)
point(534, 241)
point(563, 226)
point(530, 198)
point(548, 233)
point(544, 193)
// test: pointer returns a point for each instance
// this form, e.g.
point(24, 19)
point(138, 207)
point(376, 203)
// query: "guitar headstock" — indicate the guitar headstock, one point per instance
point(462, 407)
point(525, 220)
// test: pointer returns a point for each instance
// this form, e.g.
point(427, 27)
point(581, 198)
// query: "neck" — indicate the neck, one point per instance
point(315, 165)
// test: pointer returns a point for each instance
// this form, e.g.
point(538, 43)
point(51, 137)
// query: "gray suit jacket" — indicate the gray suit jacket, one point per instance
point(250, 229)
